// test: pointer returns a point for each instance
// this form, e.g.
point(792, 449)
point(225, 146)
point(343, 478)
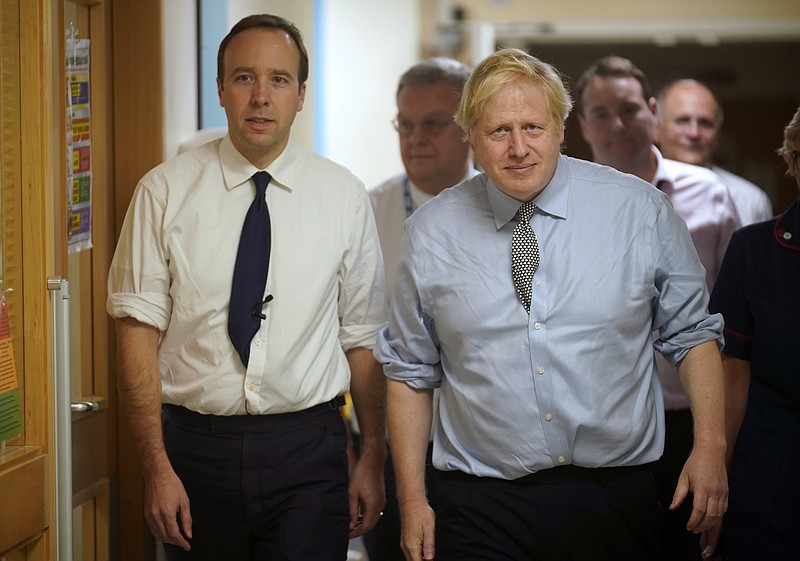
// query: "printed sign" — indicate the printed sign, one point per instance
point(10, 408)
point(79, 147)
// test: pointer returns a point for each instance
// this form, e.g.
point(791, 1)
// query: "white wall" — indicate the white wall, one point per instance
point(367, 45)
point(180, 73)
point(358, 49)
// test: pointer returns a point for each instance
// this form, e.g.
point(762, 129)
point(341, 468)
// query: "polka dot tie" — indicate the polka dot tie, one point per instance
point(524, 254)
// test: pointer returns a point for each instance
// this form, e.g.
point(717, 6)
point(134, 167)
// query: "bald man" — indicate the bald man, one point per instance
point(689, 123)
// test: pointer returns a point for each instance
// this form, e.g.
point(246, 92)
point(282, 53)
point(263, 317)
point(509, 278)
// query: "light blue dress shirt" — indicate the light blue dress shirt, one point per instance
point(575, 382)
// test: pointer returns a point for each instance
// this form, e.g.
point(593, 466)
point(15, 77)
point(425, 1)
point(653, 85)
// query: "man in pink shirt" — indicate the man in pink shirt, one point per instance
point(618, 118)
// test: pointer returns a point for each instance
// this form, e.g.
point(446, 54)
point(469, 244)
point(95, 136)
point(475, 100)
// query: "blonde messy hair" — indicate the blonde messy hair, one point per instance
point(500, 68)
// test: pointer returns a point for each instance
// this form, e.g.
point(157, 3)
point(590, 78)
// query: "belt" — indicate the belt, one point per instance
point(560, 474)
point(245, 423)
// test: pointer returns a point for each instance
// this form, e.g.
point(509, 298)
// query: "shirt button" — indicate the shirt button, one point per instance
point(540, 370)
point(548, 417)
point(258, 342)
point(537, 325)
point(538, 283)
point(251, 387)
point(561, 459)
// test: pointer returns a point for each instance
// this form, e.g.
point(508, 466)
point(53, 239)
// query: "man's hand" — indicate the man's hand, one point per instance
point(704, 473)
point(367, 492)
point(166, 507)
point(367, 495)
point(709, 541)
point(417, 531)
point(704, 476)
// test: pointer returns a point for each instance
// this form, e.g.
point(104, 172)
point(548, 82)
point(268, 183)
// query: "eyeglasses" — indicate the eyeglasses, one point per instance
point(430, 127)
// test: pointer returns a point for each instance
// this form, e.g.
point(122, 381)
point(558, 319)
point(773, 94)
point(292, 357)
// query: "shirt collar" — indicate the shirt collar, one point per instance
point(552, 200)
point(418, 196)
point(237, 170)
point(787, 227)
point(662, 172)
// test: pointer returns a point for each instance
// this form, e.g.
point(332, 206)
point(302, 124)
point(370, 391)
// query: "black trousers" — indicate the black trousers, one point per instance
point(677, 543)
point(558, 514)
point(262, 487)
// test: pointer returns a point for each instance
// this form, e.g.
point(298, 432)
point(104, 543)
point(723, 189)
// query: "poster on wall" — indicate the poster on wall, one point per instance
point(10, 406)
point(79, 146)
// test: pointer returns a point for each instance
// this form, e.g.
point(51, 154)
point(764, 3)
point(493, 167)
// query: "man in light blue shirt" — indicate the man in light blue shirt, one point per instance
point(548, 419)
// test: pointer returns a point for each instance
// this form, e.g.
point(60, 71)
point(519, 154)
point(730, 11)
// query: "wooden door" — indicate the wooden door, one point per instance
point(30, 169)
point(33, 251)
point(94, 412)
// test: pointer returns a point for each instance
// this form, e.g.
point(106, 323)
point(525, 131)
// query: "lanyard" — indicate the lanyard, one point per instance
point(407, 197)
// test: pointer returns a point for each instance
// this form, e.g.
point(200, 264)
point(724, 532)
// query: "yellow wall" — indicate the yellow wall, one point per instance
point(619, 10)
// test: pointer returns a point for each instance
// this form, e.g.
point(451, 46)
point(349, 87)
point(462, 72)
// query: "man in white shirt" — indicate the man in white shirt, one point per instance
point(435, 156)
point(689, 122)
point(243, 449)
point(432, 147)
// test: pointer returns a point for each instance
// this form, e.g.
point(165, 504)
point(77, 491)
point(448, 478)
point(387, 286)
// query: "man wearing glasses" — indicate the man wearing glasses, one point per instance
point(435, 156)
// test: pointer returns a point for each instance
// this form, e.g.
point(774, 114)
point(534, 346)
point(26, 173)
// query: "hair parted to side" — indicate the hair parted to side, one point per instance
point(433, 70)
point(500, 68)
point(265, 21)
point(610, 67)
point(791, 139)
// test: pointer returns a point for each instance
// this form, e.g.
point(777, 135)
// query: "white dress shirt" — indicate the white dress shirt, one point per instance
point(751, 202)
point(392, 209)
point(174, 264)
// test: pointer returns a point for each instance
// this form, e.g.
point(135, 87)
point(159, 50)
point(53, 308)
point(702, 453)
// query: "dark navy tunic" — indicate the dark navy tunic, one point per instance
point(758, 293)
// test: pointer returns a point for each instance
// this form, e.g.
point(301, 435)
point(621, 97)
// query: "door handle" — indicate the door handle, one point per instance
point(84, 406)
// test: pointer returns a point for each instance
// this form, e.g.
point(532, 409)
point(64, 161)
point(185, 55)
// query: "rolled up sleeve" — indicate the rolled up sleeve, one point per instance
point(139, 279)
point(362, 296)
point(681, 307)
point(408, 348)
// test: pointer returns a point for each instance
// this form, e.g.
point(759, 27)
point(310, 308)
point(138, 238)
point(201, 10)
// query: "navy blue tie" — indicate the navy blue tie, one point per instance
point(250, 272)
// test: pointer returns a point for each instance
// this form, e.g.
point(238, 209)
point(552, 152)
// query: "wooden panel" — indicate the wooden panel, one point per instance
point(103, 199)
point(92, 529)
point(94, 452)
point(102, 510)
point(10, 173)
point(90, 453)
point(42, 143)
point(25, 511)
point(26, 470)
point(138, 99)
point(41, 186)
point(87, 537)
point(139, 146)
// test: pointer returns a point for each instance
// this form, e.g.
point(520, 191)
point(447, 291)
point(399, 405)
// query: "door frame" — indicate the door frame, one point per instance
point(138, 147)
